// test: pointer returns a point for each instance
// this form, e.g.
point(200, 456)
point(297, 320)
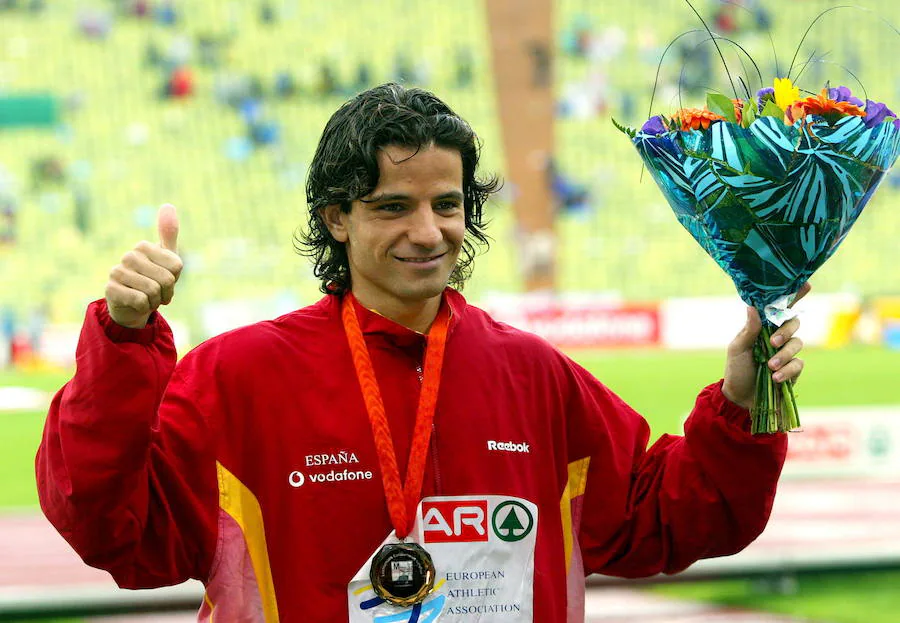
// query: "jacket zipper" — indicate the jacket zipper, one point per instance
point(433, 444)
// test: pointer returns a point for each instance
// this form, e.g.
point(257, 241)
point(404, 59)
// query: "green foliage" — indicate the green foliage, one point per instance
point(721, 105)
point(631, 132)
point(771, 109)
point(748, 115)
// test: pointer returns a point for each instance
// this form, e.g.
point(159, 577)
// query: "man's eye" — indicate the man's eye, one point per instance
point(447, 205)
point(391, 207)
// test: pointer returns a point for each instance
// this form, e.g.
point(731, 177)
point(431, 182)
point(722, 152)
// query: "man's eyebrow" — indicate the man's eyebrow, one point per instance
point(386, 197)
point(453, 194)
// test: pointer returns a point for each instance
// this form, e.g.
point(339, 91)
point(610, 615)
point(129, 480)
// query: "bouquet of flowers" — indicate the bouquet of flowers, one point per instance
point(770, 186)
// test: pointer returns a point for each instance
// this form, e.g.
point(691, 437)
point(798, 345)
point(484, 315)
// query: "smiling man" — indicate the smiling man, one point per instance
point(390, 453)
point(404, 238)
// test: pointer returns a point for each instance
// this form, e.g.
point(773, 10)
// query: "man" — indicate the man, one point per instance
point(389, 453)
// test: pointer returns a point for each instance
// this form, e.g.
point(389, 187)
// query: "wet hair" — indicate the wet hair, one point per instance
point(345, 169)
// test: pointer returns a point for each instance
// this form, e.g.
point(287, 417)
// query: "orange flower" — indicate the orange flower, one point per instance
point(738, 109)
point(822, 106)
point(695, 118)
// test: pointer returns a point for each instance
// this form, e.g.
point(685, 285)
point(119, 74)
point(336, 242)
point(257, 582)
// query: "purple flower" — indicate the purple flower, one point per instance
point(654, 125)
point(876, 112)
point(766, 94)
point(843, 94)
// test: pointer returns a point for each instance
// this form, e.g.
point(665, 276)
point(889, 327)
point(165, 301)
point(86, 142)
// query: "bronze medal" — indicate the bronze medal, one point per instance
point(402, 573)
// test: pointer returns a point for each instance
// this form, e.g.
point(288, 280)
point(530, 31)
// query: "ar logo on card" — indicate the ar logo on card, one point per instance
point(457, 521)
point(512, 521)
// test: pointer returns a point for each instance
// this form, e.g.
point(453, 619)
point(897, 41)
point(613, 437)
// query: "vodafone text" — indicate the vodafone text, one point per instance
point(297, 479)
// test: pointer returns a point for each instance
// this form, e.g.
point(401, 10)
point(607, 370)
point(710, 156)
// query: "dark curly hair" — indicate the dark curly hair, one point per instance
point(345, 169)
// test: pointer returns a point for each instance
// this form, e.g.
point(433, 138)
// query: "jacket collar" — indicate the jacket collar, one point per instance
point(373, 323)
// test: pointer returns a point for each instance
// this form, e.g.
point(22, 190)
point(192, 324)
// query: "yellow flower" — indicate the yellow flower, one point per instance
point(785, 93)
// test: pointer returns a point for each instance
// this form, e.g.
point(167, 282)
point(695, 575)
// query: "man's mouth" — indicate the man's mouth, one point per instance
point(420, 260)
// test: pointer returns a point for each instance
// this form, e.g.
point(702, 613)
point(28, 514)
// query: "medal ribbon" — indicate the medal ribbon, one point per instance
point(402, 500)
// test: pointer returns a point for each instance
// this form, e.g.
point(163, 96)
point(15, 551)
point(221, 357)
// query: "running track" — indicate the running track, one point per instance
point(815, 524)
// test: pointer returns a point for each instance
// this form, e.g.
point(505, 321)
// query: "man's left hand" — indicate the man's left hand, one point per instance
point(740, 369)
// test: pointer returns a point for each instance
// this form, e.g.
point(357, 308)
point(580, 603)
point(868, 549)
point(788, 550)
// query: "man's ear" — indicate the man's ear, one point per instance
point(336, 221)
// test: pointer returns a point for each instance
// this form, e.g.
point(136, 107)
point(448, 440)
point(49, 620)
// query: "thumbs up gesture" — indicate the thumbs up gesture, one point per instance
point(146, 276)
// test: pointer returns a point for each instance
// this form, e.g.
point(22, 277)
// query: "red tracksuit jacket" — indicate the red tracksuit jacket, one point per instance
point(160, 472)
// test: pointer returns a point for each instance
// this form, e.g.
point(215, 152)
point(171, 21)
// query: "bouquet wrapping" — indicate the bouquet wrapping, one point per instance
point(770, 188)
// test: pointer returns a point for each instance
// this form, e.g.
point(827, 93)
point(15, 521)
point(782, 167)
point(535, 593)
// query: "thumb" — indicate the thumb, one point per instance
point(747, 337)
point(167, 225)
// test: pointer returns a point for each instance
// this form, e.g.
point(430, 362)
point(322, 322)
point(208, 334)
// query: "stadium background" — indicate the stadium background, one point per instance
point(83, 187)
point(108, 109)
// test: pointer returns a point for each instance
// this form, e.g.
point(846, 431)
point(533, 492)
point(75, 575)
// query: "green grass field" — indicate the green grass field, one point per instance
point(862, 597)
point(662, 386)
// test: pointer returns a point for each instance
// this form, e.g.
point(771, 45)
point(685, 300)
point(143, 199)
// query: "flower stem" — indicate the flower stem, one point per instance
point(775, 407)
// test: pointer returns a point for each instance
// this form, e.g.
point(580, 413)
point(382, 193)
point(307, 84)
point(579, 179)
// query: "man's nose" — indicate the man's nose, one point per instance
point(423, 229)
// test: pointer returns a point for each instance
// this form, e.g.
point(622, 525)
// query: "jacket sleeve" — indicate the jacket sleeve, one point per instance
point(126, 467)
point(646, 511)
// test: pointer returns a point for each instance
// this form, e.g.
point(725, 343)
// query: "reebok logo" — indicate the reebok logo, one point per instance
point(508, 446)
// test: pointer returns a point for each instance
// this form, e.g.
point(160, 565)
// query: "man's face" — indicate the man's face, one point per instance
point(403, 238)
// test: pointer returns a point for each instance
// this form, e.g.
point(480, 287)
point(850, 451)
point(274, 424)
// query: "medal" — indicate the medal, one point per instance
point(401, 573)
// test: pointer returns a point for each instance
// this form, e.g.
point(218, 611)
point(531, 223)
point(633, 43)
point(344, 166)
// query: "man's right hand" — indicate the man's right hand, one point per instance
point(145, 279)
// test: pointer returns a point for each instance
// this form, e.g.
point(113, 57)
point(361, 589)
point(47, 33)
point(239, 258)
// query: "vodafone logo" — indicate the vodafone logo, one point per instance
point(458, 521)
point(297, 479)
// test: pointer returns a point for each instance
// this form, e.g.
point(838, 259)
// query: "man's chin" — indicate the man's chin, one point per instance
point(424, 290)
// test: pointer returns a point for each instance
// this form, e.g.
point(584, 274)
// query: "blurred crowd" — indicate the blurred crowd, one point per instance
point(176, 57)
point(189, 64)
point(589, 88)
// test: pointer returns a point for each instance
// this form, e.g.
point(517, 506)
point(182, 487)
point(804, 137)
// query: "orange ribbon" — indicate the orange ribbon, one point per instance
point(401, 500)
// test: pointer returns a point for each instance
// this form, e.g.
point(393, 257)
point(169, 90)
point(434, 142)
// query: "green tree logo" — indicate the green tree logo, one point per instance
point(879, 442)
point(512, 521)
